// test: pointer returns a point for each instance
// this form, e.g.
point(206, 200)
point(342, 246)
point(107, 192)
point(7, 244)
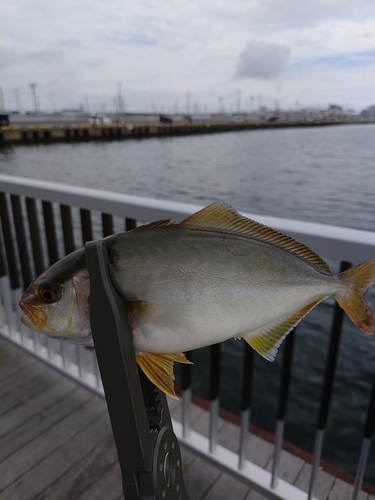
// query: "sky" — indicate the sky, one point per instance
point(186, 55)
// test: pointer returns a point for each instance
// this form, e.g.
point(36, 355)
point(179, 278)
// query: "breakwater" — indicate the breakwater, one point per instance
point(86, 132)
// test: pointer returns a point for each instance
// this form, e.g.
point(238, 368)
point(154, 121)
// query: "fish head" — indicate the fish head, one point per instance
point(57, 302)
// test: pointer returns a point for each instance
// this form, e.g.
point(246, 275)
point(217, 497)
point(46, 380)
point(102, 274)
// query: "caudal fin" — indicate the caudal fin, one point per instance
point(358, 280)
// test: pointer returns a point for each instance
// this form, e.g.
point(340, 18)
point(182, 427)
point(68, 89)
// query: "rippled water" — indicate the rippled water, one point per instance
point(315, 174)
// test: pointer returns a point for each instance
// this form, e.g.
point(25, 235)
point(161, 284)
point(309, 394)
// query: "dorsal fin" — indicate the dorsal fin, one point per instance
point(223, 218)
point(158, 223)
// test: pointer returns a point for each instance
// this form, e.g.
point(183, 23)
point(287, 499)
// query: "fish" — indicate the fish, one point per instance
point(216, 275)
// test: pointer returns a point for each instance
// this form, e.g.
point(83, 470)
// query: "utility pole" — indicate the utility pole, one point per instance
point(221, 105)
point(120, 102)
point(33, 92)
point(18, 102)
point(188, 103)
point(238, 101)
point(115, 105)
point(2, 106)
point(252, 103)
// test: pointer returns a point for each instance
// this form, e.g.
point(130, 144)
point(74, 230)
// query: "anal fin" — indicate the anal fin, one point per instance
point(158, 367)
point(266, 341)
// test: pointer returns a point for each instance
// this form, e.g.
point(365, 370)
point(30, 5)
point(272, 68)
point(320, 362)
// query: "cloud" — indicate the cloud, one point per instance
point(263, 60)
point(44, 57)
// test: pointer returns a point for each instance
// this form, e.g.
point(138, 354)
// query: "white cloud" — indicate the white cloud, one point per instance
point(263, 60)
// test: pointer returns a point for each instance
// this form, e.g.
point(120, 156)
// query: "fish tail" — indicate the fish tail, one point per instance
point(358, 280)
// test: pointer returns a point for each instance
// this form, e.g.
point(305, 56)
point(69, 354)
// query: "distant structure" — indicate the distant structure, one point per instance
point(72, 111)
point(188, 102)
point(33, 92)
point(2, 105)
point(334, 107)
point(368, 114)
point(120, 101)
point(335, 111)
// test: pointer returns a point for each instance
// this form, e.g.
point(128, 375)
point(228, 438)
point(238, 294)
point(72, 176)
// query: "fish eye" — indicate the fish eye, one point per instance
point(49, 292)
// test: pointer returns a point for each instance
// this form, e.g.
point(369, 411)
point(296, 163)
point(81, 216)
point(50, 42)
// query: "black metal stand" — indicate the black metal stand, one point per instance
point(147, 448)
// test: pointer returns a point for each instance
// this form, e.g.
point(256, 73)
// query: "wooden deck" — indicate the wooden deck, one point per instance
point(56, 443)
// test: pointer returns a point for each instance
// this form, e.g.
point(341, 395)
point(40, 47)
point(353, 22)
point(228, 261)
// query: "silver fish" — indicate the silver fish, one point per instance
point(215, 276)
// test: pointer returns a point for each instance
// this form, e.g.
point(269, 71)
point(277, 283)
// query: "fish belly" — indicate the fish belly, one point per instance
point(206, 320)
point(209, 287)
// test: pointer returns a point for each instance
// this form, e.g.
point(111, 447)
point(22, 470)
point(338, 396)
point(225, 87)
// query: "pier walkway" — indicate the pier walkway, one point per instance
point(75, 132)
point(56, 443)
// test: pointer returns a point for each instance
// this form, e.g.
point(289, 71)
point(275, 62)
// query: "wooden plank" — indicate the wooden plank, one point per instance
point(254, 495)
point(84, 475)
point(199, 477)
point(53, 466)
point(9, 360)
point(200, 421)
point(187, 458)
point(258, 450)
point(290, 466)
point(13, 368)
point(108, 482)
point(344, 491)
point(30, 408)
point(226, 487)
point(16, 392)
point(83, 408)
point(228, 435)
point(41, 422)
point(324, 481)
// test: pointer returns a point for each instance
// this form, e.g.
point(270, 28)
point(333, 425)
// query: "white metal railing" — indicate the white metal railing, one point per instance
point(80, 364)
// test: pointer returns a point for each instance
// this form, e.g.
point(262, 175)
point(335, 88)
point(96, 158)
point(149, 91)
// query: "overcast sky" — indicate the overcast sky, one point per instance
point(175, 54)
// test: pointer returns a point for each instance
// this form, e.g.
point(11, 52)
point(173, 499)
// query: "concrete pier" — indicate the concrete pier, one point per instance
point(18, 134)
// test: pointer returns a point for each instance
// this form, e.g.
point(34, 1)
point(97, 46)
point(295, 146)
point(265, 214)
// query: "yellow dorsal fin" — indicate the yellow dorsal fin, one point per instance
point(267, 340)
point(141, 312)
point(223, 218)
point(152, 225)
point(158, 368)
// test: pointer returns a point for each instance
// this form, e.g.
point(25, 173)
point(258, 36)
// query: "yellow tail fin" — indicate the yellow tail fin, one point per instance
point(358, 280)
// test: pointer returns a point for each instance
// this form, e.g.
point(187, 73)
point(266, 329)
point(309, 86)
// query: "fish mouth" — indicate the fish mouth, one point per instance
point(34, 318)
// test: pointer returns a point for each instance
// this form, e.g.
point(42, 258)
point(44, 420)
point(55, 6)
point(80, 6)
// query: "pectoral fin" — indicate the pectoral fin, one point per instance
point(141, 312)
point(267, 340)
point(158, 368)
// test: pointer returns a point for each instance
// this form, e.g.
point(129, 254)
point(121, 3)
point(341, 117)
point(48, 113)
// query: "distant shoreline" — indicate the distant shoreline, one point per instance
point(82, 131)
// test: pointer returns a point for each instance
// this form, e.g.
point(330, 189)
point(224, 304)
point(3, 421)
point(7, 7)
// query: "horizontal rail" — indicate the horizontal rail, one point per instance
point(340, 243)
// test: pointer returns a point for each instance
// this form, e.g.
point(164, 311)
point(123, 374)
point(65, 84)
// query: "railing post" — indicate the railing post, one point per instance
point(282, 406)
point(247, 382)
point(327, 389)
point(368, 434)
point(147, 448)
point(214, 394)
point(186, 396)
